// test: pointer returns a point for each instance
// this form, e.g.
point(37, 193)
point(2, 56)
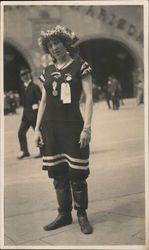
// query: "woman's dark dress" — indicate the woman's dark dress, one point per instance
point(62, 123)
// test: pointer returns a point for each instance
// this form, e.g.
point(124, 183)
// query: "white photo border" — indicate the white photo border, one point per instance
point(146, 94)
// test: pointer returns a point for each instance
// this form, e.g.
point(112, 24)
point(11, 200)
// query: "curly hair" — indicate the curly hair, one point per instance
point(72, 51)
point(61, 33)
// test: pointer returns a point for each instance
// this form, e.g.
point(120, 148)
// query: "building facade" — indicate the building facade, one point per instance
point(111, 40)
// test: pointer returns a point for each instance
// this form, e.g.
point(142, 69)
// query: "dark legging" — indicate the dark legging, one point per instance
point(63, 185)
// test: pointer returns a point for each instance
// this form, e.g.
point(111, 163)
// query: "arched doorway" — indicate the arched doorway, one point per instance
point(13, 61)
point(108, 57)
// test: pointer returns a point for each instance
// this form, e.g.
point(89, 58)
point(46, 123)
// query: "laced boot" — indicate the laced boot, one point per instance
point(80, 194)
point(86, 227)
point(64, 198)
point(60, 221)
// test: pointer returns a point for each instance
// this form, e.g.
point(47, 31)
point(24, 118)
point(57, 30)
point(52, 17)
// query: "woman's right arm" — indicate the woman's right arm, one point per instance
point(42, 105)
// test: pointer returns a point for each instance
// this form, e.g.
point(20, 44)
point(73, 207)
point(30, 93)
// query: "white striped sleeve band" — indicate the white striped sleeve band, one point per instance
point(41, 78)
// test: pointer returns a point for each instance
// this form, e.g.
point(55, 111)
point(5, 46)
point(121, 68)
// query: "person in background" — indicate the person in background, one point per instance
point(30, 95)
point(107, 91)
point(61, 131)
point(115, 93)
point(6, 103)
point(96, 92)
point(140, 93)
point(120, 93)
point(12, 103)
point(17, 99)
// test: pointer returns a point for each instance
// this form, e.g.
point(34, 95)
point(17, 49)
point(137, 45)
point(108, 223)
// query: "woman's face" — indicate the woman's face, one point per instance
point(56, 48)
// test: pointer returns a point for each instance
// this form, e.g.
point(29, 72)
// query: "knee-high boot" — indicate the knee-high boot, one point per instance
point(64, 198)
point(80, 195)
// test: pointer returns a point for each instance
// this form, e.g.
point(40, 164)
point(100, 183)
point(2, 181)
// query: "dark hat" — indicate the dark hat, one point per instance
point(24, 71)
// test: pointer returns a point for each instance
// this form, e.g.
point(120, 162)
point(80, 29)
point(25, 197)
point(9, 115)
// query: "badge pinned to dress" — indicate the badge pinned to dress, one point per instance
point(62, 91)
point(66, 89)
point(65, 93)
point(68, 77)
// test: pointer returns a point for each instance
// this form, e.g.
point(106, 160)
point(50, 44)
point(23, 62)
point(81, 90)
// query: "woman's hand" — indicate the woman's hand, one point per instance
point(38, 139)
point(85, 138)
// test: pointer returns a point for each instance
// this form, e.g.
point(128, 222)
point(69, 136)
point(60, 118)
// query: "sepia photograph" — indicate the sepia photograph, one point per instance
point(74, 125)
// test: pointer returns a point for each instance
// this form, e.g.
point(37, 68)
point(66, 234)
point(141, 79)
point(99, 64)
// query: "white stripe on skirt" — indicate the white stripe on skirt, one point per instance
point(50, 164)
point(65, 155)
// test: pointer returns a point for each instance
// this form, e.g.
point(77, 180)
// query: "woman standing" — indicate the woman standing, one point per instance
point(60, 129)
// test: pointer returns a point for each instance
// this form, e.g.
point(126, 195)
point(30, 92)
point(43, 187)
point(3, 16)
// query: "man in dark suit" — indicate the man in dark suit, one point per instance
point(30, 96)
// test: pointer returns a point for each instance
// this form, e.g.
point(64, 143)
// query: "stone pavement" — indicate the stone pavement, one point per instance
point(116, 186)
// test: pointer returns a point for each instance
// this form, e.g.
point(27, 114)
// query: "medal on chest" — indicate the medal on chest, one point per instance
point(54, 85)
point(56, 75)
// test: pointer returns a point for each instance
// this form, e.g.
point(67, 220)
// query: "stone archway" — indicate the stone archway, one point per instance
point(108, 56)
point(13, 61)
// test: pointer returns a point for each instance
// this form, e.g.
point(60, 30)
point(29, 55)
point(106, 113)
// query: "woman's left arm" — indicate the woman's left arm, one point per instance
point(87, 89)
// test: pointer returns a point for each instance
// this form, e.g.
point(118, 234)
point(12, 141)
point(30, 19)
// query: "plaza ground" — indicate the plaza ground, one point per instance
point(116, 185)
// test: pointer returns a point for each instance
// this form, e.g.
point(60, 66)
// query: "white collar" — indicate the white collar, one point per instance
point(65, 64)
point(27, 83)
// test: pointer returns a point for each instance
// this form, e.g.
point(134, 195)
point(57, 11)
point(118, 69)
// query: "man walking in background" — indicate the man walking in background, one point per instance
point(30, 97)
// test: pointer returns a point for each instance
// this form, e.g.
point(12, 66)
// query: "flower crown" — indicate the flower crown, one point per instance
point(61, 32)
